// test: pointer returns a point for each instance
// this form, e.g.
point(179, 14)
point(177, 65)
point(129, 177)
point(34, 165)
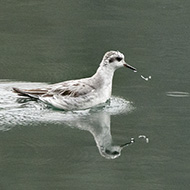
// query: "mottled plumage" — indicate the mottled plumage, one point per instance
point(82, 93)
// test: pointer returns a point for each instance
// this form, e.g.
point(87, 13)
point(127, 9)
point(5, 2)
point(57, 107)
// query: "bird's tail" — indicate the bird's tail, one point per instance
point(30, 93)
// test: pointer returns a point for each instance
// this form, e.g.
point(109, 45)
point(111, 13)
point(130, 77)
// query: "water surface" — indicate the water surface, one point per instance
point(44, 42)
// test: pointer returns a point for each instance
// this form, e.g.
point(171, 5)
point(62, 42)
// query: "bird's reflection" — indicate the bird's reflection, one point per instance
point(16, 112)
point(98, 122)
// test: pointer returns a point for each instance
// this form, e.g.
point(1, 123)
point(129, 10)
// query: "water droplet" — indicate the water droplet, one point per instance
point(146, 78)
point(144, 137)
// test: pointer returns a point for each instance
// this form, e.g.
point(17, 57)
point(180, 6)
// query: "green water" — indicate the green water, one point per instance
point(44, 42)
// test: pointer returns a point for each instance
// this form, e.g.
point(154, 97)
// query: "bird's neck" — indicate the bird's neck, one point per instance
point(104, 77)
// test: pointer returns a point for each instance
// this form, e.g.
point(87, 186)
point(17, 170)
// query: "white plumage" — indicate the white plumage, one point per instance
point(82, 93)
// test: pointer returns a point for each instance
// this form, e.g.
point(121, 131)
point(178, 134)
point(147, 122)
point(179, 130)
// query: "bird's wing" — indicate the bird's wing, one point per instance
point(73, 88)
point(33, 93)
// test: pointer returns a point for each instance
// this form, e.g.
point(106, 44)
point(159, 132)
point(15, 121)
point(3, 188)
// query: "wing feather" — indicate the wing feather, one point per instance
point(70, 88)
point(74, 88)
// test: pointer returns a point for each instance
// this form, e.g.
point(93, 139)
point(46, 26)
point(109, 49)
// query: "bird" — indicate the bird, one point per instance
point(82, 93)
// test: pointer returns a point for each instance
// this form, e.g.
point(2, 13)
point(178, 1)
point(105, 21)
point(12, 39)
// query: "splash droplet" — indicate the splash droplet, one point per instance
point(146, 78)
point(144, 137)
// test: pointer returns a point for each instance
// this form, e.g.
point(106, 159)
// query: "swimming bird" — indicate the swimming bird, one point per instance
point(82, 93)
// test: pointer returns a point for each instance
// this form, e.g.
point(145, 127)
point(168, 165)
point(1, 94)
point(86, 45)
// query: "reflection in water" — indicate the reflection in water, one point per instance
point(16, 111)
point(98, 124)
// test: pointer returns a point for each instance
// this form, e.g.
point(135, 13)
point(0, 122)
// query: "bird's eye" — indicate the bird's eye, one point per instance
point(115, 153)
point(118, 58)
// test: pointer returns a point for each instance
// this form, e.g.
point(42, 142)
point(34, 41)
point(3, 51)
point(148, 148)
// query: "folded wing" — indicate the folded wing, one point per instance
point(70, 89)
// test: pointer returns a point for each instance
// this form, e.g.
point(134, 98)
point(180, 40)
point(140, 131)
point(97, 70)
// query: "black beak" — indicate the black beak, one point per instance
point(128, 143)
point(130, 67)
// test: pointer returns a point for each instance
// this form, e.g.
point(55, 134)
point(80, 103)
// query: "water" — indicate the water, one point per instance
point(45, 42)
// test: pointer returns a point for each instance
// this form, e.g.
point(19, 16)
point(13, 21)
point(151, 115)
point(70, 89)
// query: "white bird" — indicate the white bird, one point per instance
point(82, 93)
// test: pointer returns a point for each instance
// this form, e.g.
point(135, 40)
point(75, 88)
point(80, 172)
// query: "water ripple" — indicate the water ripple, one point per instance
point(177, 94)
point(22, 111)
